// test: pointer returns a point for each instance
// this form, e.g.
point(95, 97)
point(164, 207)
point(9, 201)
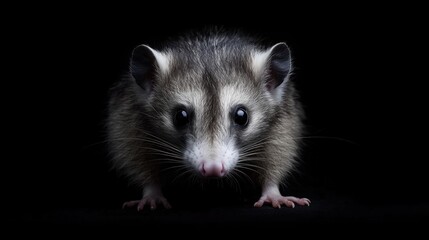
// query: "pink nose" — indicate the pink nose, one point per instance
point(212, 169)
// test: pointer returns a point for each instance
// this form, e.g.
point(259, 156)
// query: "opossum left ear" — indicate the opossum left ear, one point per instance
point(278, 66)
point(273, 67)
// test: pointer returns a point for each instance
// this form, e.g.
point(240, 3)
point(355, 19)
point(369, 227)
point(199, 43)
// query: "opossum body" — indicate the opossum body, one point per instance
point(214, 105)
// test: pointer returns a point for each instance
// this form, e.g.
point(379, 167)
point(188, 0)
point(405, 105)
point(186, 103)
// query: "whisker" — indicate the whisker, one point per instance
point(160, 139)
point(179, 167)
point(172, 157)
point(153, 139)
point(164, 160)
point(252, 165)
point(170, 147)
point(252, 160)
point(234, 182)
point(159, 151)
point(194, 179)
point(250, 169)
point(252, 145)
point(182, 174)
point(243, 174)
point(252, 150)
point(250, 154)
point(146, 133)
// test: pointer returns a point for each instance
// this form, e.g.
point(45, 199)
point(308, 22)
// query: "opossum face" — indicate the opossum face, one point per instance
point(217, 125)
point(217, 101)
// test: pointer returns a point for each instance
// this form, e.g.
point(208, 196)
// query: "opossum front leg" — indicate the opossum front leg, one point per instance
point(152, 196)
point(271, 194)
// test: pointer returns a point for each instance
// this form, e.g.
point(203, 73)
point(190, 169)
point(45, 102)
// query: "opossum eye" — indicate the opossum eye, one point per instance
point(181, 118)
point(240, 116)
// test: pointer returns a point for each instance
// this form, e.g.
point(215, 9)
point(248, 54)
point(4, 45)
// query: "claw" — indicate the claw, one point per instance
point(151, 201)
point(277, 201)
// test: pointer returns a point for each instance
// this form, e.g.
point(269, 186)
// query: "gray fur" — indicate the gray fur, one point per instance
point(140, 130)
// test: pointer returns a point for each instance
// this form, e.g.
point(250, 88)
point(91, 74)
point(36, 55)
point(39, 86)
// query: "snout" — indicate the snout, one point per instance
point(212, 169)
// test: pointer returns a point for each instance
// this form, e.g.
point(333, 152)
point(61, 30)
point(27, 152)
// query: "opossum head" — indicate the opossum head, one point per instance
point(210, 100)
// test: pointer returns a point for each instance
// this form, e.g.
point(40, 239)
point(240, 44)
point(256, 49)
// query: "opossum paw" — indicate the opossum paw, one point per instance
point(278, 200)
point(152, 202)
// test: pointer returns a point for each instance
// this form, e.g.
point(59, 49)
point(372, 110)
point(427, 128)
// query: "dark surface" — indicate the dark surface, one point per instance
point(336, 211)
point(359, 165)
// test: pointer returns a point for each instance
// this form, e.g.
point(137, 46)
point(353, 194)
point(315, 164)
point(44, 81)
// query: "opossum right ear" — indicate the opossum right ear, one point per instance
point(146, 64)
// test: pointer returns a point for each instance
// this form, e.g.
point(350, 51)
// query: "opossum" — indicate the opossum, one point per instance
point(212, 105)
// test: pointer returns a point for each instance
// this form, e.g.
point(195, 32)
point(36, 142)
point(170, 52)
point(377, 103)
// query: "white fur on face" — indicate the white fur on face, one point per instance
point(202, 148)
point(259, 61)
point(204, 151)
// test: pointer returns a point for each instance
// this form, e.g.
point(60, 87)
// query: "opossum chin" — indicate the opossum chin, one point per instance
point(212, 160)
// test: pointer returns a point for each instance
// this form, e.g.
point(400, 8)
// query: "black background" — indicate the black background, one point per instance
point(353, 68)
